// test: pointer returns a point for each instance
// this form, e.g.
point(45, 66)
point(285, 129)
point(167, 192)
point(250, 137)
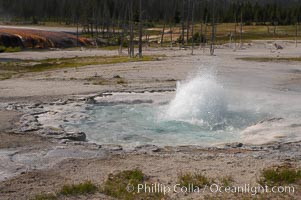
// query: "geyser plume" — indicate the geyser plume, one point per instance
point(199, 101)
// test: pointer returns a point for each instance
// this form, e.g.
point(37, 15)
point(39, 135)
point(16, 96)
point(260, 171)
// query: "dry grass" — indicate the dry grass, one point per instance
point(8, 68)
point(270, 59)
point(117, 184)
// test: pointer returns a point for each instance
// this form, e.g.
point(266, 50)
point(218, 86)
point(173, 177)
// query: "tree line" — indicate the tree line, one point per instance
point(121, 19)
point(154, 11)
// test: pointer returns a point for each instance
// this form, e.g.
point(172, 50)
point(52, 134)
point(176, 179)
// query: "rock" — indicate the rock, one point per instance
point(90, 100)
point(64, 141)
point(271, 120)
point(239, 145)
point(278, 46)
point(60, 102)
point(141, 101)
point(234, 145)
point(112, 147)
point(52, 131)
point(147, 148)
point(29, 123)
point(75, 136)
point(29, 128)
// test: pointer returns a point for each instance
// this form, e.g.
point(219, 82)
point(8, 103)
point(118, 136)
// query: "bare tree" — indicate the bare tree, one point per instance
point(240, 35)
point(296, 35)
point(140, 29)
point(171, 32)
point(183, 24)
point(205, 34)
point(163, 32)
point(131, 24)
point(124, 30)
point(77, 33)
point(213, 29)
point(201, 34)
point(188, 22)
point(192, 30)
point(235, 31)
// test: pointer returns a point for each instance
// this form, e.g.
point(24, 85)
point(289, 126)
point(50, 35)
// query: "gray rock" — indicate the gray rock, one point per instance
point(29, 128)
point(75, 136)
point(60, 102)
point(234, 145)
point(112, 147)
point(278, 46)
point(90, 100)
point(147, 148)
point(29, 123)
point(51, 131)
point(269, 120)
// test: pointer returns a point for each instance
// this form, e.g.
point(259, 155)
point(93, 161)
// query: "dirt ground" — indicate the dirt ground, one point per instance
point(164, 167)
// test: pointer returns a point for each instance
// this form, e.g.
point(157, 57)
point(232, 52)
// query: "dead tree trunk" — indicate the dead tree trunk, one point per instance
point(123, 32)
point(171, 36)
point(275, 28)
point(201, 34)
point(183, 25)
point(240, 46)
point(192, 30)
point(296, 35)
point(213, 29)
point(188, 22)
point(162, 34)
point(205, 34)
point(235, 31)
point(140, 29)
point(131, 46)
point(77, 34)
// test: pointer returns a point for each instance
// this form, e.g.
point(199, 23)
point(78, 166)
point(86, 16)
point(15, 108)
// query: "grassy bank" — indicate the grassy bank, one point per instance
point(9, 49)
point(124, 184)
point(8, 69)
point(270, 59)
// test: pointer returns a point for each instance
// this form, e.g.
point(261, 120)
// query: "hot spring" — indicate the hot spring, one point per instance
point(198, 114)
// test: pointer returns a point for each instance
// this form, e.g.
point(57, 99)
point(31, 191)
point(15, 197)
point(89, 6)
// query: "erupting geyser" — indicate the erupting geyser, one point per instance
point(199, 114)
point(199, 101)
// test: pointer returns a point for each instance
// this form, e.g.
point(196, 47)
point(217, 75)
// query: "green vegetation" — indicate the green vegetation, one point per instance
point(196, 179)
point(226, 181)
point(258, 12)
point(116, 186)
point(9, 49)
point(110, 47)
point(121, 82)
point(270, 59)
point(9, 68)
point(281, 176)
point(4, 76)
point(78, 189)
point(117, 76)
point(70, 190)
point(98, 80)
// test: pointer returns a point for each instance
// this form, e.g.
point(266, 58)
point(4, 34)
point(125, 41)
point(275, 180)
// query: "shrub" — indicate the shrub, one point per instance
point(116, 186)
point(78, 189)
point(196, 179)
point(280, 175)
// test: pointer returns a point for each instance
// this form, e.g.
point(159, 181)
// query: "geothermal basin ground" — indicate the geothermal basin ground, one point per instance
point(229, 115)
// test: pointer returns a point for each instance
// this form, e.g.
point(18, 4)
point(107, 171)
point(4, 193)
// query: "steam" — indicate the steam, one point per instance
point(199, 101)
